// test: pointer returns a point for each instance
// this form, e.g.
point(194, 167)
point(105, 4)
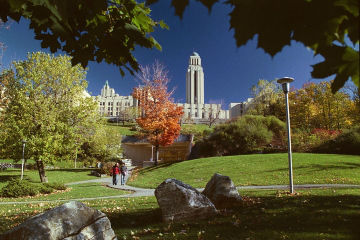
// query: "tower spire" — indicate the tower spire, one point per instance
point(195, 80)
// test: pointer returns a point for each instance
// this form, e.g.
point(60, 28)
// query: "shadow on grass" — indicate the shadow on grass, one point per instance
point(288, 217)
point(159, 166)
point(321, 167)
point(308, 216)
point(6, 178)
point(75, 170)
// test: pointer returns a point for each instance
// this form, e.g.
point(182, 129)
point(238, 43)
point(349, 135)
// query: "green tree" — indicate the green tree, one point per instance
point(127, 115)
point(47, 107)
point(303, 109)
point(266, 95)
point(104, 144)
point(315, 106)
point(321, 25)
point(96, 30)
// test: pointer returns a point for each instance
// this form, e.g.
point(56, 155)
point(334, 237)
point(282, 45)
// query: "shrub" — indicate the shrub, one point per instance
point(325, 134)
point(90, 161)
point(304, 141)
point(21, 188)
point(107, 167)
point(347, 142)
point(243, 135)
point(56, 186)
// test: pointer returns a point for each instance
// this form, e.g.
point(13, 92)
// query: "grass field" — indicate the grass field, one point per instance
point(265, 214)
point(54, 175)
point(257, 169)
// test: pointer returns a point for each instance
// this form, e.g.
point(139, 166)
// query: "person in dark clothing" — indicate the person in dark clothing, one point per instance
point(123, 172)
point(115, 173)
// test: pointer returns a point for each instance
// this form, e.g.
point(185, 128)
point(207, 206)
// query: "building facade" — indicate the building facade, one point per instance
point(111, 104)
point(239, 109)
point(195, 109)
point(142, 153)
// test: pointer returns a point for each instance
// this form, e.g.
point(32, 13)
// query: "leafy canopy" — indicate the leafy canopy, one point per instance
point(160, 116)
point(321, 25)
point(46, 107)
point(88, 30)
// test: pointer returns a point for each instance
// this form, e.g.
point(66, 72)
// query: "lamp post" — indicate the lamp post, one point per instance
point(23, 158)
point(152, 153)
point(285, 82)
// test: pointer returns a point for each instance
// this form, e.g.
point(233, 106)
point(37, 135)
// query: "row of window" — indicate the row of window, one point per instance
point(102, 109)
point(127, 104)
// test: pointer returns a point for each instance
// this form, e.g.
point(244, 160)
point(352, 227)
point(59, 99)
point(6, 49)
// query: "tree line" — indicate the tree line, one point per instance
point(312, 106)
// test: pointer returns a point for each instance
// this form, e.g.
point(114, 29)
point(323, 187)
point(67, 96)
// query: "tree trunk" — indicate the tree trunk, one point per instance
point(156, 154)
point(41, 169)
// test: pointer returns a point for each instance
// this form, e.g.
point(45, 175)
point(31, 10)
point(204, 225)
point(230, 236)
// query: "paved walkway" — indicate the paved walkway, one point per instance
point(140, 192)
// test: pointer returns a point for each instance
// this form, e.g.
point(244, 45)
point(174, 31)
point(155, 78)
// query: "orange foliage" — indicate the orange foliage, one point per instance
point(159, 115)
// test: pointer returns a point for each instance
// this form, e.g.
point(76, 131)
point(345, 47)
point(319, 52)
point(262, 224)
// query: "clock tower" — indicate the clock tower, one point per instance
point(195, 81)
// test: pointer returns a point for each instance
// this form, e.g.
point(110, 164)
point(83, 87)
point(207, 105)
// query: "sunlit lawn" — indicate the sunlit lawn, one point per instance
point(126, 129)
point(53, 175)
point(78, 191)
point(123, 129)
point(257, 169)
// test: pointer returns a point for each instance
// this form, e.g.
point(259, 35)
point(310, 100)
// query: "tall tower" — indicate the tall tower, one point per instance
point(195, 81)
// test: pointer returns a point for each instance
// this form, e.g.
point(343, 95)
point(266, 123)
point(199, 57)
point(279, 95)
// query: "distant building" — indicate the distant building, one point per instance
point(111, 104)
point(239, 109)
point(142, 153)
point(195, 108)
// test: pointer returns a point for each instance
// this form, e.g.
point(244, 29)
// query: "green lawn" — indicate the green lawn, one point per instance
point(54, 175)
point(265, 214)
point(257, 169)
point(126, 129)
point(77, 191)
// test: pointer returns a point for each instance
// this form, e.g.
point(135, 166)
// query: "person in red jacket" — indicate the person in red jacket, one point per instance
point(116, 173)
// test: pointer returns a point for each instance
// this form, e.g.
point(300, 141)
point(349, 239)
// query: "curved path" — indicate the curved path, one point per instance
point(139, 192)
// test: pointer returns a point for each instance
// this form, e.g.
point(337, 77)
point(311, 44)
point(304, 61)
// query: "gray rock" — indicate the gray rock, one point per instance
point(222, 191)
point(70, 221)
point(179, 201)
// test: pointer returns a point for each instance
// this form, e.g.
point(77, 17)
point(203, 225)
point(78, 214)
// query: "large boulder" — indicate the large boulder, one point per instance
point(70, 221)
point(222, 191)
point(179, 201)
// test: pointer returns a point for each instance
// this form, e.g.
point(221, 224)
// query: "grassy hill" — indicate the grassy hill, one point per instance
point(257, 169)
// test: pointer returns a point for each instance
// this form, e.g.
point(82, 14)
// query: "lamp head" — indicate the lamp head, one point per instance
point(285, 82)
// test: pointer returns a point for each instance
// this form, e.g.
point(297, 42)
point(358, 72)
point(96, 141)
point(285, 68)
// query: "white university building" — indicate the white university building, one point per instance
point(195, 108)
point(111, 104)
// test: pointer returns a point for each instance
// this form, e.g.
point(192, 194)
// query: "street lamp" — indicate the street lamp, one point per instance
point(152, 153)
point(285, 82)
point(23, 158)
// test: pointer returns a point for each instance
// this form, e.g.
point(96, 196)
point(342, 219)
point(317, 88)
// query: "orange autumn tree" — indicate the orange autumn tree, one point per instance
point(159, 115)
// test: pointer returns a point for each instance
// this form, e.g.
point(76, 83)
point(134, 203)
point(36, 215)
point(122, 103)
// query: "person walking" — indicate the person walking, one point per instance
point(123, 172)
point(116, 173)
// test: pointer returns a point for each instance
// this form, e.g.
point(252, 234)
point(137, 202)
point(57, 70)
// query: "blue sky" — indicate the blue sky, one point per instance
point(229, 71)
